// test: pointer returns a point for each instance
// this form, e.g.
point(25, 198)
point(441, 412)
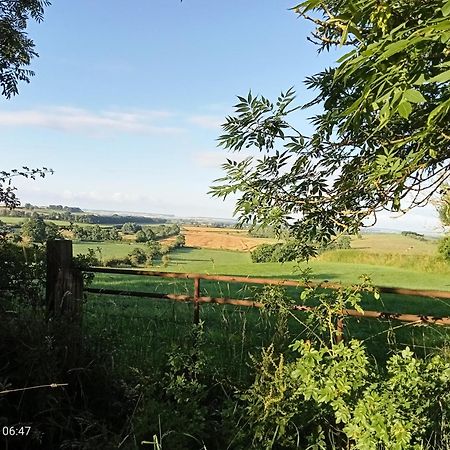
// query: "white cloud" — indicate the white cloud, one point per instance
point(210, 159)
point(207, 121)
point(63, 118)
point(215, 158)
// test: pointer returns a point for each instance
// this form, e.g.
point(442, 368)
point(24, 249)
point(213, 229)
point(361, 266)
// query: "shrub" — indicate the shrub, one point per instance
point(263, 253)
point(118, 262)
point(330, 394)
point(444, 248)
point(141, 236)
point(137, 257)
point(288, 251)
point(130, 228)
point(414, 235)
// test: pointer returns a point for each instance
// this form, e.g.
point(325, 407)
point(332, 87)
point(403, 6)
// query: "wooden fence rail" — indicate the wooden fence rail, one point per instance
point(197, 299)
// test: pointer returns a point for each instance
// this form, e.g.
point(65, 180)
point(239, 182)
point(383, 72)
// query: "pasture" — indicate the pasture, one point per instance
point(234, 333)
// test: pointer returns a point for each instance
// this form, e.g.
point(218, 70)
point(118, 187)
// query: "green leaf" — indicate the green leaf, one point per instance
point(404, 109)
point(441, 78)
point(413, 96)
point(394, 48)
point(446, 9)
point(421, 80)
point(440, 109)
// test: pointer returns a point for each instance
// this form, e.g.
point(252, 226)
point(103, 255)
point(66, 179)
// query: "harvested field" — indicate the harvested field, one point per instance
point(222, 238)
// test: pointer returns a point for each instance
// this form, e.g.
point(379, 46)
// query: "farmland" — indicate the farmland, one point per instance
point(144, 333)
point(232, 262)
point(414, 267)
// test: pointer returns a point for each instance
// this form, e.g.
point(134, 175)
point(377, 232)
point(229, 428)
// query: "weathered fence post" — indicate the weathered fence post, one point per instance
point(64, 294)
point(196, 302)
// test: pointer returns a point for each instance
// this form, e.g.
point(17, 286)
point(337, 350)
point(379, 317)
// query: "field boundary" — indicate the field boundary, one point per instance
point(197, 299)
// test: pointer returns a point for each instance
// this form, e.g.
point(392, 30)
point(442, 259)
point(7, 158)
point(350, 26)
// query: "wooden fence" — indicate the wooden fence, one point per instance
point(61, 251)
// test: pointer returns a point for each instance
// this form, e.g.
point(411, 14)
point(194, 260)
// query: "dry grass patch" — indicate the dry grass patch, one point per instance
point(222, 238)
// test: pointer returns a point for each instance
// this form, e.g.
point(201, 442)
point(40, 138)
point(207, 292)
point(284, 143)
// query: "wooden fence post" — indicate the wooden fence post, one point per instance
point(196, 302)
point(64, 294)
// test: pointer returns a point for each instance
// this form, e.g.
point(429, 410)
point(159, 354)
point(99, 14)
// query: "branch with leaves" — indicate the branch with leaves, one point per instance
point(8, 191)
point(381, 140)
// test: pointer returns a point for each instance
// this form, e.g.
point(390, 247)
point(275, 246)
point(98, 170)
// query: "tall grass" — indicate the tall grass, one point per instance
point(422, 263)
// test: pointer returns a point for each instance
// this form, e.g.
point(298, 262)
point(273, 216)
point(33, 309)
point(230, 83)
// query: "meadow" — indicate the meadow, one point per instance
point(234, 333)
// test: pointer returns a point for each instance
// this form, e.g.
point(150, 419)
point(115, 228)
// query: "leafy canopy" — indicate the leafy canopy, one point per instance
point(382, 139)
point(16, 48)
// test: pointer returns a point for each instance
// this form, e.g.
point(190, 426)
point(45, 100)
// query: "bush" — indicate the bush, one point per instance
point(141, 236)
point(414, 235)
point(263, 253)
point(288, 251)
point(330, 394)
point(444, 248)
point(130, 228)
point(22, 270)
point(137, 257)
point(118, 262)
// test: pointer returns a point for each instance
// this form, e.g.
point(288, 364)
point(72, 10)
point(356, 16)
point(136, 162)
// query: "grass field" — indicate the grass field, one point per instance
point(394, 243)
point(239, 263)
point(139, 326)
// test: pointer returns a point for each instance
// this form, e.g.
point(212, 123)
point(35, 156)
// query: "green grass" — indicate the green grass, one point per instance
point(395, 244)
point(239, 263)
point(144, 330)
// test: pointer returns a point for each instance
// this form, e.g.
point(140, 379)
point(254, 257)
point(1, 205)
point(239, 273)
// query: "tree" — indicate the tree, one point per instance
point(153, 249)
point(16, 48)
point(180, 240)
point(130, 228)
point(141, 236)
point(381, 142)
point(38, 231)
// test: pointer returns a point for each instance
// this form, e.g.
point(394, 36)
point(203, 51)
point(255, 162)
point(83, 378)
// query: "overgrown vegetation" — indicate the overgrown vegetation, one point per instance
point(292, 250)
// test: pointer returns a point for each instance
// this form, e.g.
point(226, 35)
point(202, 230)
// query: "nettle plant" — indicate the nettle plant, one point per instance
point(329, 394)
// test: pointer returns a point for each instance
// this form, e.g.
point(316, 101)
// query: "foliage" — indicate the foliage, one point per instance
point(381, 141)
point(131, 228)
point(16, 48)
point(414, 235)
point(88, 413)
point(277, 304)
point(444, 206)
point(141, 236)
point(444, 247)
point(23, 270)
point(346, 402)
point(7, 189)
point(292, 250)
point(84, 261)
point(153, 249)
point(137, 257)
point(330, 395)
point(95, 233)
point(165, 260)
point(38, 231)
point(184, 400)
point(180, 241)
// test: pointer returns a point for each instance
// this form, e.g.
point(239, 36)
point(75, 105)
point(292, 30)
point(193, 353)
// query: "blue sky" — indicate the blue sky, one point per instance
point(128, 98)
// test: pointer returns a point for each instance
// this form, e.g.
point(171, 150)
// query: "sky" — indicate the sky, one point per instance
point(128, 98)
